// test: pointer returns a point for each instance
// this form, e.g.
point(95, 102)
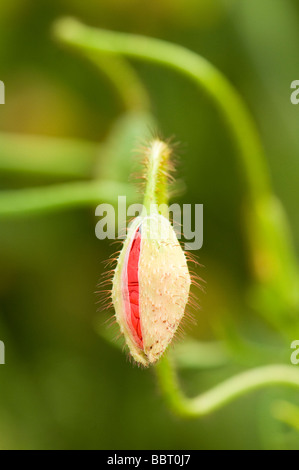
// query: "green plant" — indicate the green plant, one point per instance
point(271, 252)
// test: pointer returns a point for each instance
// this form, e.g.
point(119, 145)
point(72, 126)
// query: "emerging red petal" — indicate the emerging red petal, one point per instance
point(133, 288)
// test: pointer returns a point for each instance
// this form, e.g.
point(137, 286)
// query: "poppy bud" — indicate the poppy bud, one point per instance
point(150, 287)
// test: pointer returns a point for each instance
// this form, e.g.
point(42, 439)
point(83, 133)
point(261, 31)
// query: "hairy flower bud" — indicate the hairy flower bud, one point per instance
point(150, 287)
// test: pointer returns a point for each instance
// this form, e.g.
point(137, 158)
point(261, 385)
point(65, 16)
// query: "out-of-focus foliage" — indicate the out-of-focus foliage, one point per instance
point(63, 385)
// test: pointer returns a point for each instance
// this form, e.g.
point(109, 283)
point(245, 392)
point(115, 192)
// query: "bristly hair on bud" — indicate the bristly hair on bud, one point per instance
point(151, 281)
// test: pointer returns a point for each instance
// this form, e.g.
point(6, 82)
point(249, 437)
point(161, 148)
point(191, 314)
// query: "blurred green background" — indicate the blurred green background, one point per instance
point(63, 385)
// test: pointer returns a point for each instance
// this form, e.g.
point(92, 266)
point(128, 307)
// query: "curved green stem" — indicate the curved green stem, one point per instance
point(226, 98)
point(121, 75)
point(31, 201)
point(223, 393)
point(125, 81)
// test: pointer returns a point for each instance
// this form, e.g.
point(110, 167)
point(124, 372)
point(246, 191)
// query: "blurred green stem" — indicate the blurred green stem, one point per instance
point(120, 74)
point(31, 201)
point(198, 355)
point(125, 81)
point(48, 156)
point(223, 393)
point(286, 413)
